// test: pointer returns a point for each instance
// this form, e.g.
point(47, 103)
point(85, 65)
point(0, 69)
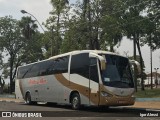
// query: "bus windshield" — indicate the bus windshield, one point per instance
point(117, 72)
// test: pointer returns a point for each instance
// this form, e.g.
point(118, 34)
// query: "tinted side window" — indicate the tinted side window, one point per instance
point(59, 65)
point(28, 71)
point(44, 66)
point(80, 65)
point(22, 71)
point(34, 71)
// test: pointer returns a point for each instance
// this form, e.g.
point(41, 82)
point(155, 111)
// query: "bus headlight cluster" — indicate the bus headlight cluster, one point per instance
point(133, 97)
point(105, 94)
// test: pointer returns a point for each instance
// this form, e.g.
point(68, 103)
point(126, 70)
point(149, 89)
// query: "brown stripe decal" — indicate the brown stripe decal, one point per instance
point(94, 97)
point(73, 86)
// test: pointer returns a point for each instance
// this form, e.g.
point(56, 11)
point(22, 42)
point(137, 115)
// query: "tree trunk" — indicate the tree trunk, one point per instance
point(2, 84)
point(91, 44)
point(141, 63)
point(58, 37)
point(96, 42)
point(11, 72)
point(134, 54)
point(85, 3)
point(15, 71)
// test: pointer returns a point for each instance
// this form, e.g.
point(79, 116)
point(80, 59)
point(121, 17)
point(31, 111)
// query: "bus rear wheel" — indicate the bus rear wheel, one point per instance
point(75, 101)
point(28, 99)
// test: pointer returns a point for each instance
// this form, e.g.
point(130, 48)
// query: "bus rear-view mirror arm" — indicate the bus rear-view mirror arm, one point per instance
point(134, 62)
point(100, 58)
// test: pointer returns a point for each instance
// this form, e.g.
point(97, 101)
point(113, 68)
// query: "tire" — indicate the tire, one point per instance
point(75, 101)
point(28, 99)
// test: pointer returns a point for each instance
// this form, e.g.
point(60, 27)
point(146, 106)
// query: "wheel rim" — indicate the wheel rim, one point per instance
point(75, 102)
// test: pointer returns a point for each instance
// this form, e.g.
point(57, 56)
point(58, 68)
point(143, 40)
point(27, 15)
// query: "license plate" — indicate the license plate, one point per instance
point(122, 102)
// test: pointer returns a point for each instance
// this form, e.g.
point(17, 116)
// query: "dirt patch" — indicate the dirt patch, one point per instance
point(150, 104)
point(11, 99)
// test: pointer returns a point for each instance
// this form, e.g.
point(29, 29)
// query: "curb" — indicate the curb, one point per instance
point(146, 109)
point(136, 108)
point(7, 96)
point(147, 99)
point(12, 101)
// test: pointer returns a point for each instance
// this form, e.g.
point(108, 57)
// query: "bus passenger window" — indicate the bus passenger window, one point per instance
point(80, 65)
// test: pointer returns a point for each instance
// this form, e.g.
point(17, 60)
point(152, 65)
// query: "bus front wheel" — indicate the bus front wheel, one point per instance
point(75, 101)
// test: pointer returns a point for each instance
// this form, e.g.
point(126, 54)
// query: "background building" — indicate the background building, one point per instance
point(147, 81)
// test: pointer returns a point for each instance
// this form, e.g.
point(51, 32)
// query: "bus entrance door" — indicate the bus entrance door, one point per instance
point(93, 82)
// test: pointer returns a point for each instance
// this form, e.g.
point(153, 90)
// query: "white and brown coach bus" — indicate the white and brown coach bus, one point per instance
point(86, 77)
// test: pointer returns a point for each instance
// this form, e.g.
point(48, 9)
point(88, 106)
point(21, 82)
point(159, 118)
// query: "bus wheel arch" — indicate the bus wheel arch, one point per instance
point(75, 100)
point(28, 99)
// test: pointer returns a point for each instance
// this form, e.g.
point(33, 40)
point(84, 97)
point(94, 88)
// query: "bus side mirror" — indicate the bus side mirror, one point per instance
point(134, 62)
point(100, 58)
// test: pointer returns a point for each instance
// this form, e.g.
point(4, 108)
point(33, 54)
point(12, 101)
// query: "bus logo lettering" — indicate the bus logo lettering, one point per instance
point(35, 82)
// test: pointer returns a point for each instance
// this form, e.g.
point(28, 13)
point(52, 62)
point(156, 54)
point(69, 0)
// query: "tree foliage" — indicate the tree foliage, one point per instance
point(11, 41)
point(21, 48)
point(55, 24)
point(153, 24)
point(32, 51)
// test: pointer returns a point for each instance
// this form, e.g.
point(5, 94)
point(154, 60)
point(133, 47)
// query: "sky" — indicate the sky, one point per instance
point(127, 47)
point(41, 8)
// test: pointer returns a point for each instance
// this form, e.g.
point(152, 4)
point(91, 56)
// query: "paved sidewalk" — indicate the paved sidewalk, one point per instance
point(147, 104)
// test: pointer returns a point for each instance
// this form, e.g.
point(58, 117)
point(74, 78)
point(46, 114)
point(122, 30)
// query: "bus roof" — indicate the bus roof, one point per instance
point(83, 51)
point(76, 52)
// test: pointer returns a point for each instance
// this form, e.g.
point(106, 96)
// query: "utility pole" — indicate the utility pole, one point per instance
point(151, 62)
point(151, 69)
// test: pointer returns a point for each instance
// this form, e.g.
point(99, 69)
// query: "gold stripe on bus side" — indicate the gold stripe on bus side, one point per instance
point(81, 89)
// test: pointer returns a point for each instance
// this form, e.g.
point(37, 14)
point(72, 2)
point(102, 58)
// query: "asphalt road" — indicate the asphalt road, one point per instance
point(65, 111)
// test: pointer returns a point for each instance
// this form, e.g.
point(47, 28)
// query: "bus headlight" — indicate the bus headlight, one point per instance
point(105, 94)
point(134, 97)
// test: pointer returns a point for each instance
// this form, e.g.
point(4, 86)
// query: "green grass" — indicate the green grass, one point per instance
point(148, 93)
